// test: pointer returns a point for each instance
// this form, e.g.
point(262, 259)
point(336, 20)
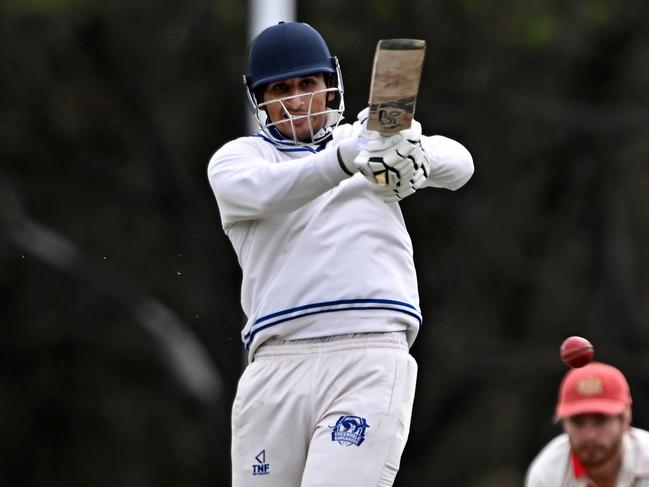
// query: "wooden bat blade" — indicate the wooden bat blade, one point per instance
point(396, 74)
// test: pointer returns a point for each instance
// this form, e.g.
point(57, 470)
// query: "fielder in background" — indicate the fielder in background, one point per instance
point(328, 281)
point(599, 448)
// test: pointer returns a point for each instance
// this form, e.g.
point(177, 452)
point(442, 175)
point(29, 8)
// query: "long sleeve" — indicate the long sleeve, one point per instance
point(451, 164)
point(313, 240)
point(250, 182)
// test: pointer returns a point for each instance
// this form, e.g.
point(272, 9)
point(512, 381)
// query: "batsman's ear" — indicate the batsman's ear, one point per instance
point(333, 97)
point(331, 80)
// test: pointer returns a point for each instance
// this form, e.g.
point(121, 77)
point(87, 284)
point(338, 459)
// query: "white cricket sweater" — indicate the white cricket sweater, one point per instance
point(320, 253)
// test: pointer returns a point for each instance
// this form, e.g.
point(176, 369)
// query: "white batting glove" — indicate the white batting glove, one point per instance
point(396, 165)
point(401, 189)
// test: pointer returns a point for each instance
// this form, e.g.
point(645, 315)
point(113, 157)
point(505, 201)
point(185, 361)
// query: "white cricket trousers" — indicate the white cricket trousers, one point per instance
point(331, 411)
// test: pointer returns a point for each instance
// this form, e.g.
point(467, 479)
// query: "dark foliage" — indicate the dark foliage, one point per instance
point(119, 293)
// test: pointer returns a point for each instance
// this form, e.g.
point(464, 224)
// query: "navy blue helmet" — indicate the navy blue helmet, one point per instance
point(287, 50)
point(290, 50)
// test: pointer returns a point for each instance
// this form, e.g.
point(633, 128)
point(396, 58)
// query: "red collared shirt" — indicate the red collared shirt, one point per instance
point(578, 469)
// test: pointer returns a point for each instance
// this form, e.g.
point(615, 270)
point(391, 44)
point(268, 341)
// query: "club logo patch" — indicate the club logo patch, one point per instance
point(349, 430)
point(590, 386)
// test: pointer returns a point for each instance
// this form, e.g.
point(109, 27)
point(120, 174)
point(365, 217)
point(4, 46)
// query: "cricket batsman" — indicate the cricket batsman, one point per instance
point(329, 287)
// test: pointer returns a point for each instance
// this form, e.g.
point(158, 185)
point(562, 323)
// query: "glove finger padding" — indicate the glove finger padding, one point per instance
point(418, 179)
point(397, 161)
point(411, 168)
point(393, 157)
point(401, 163)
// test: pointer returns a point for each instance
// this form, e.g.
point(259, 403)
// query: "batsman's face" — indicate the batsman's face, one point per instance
point(597, 438)
point(297, 105)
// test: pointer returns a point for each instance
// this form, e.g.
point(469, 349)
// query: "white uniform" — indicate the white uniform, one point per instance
point(311, 241)
point(329, 290)
point(555, 466)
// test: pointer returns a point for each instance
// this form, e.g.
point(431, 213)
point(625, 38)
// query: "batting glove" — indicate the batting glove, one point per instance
point(396, 165)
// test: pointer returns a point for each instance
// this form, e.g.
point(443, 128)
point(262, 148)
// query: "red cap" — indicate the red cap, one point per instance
point(594, 388)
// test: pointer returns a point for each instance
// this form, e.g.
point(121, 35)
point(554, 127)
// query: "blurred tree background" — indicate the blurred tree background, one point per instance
point(119, 304)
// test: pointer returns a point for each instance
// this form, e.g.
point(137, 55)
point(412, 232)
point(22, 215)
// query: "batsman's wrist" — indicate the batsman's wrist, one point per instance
point(346, 153)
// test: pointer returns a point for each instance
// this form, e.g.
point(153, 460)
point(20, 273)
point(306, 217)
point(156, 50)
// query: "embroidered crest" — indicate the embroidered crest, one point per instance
point(590, 386)
point(349, 430)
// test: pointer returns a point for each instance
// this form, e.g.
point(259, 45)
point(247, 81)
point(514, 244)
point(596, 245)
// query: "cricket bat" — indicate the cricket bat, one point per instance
point(396, 74)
